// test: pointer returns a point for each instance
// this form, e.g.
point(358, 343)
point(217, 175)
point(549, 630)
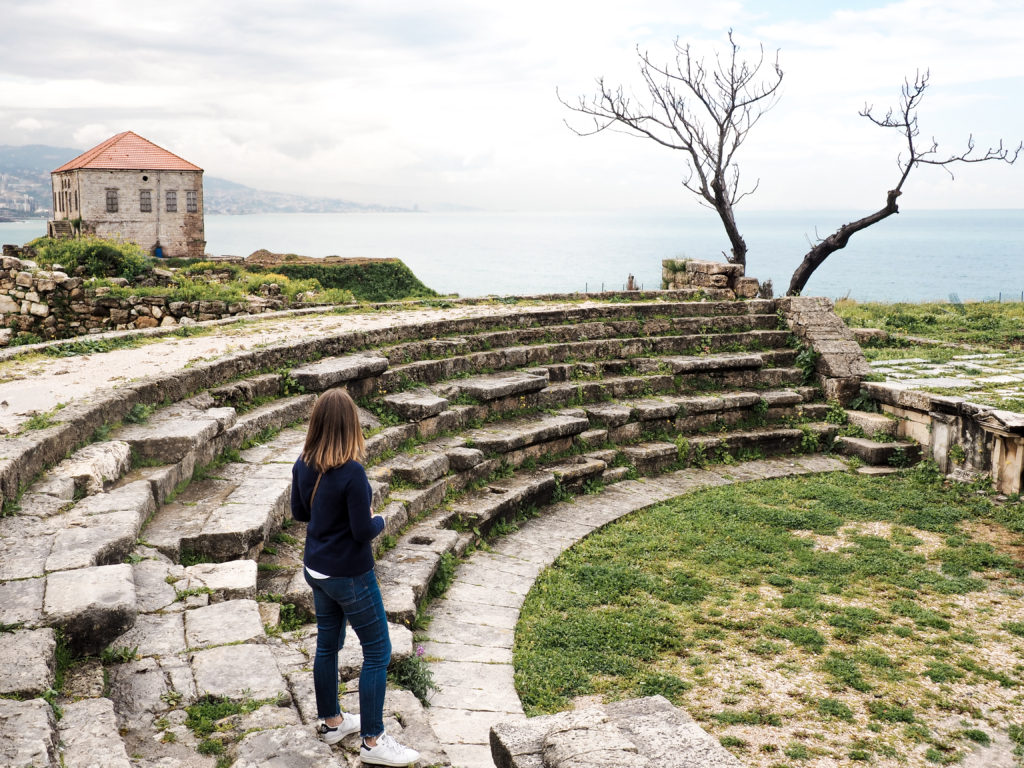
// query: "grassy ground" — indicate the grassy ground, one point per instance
point(990, 324)
point(805, 622)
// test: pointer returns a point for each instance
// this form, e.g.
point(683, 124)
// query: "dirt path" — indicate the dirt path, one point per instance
point(40, 384)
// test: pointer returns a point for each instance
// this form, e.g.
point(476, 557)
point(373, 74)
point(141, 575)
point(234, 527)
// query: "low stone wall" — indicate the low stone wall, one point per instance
point(57, 305)
point(692, 273)
point(965, 439)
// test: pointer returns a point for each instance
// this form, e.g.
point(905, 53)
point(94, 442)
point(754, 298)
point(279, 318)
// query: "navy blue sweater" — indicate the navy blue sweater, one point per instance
point(341, 528)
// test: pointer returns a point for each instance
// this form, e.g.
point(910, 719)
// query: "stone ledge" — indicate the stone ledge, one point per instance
point(640, 732)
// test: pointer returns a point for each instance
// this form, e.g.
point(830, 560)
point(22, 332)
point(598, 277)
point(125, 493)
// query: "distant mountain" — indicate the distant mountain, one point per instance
point(222, 196)
point(25, 189)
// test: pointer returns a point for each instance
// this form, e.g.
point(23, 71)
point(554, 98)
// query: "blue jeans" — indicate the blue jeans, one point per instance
point(356, 598)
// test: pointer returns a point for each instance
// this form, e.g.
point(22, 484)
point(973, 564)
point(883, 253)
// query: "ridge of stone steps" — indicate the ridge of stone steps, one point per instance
point(515, 440)
point(29, 454)
point(430, 371)
point(406, 352)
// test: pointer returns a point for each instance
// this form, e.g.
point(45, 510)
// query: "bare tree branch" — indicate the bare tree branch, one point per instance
point(704, 110)
point(903, 120)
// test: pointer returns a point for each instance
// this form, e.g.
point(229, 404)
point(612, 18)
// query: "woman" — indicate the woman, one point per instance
point(331, 493)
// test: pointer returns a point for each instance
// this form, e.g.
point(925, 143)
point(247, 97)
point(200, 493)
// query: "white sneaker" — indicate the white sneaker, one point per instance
point(388, 752)
point(349, 725)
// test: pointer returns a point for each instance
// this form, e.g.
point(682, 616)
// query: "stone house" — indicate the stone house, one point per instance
point(129, 188)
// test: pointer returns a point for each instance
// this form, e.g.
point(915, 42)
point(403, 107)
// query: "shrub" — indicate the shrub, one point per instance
point(100, 257)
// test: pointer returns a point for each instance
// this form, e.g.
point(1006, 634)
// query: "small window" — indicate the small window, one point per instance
point(145, 201)
point(172, 201)
point(191, 201)
point(111, 201)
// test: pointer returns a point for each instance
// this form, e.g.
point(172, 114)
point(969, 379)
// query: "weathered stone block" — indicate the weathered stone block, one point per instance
point(92, 605)
point(155, 634)
point(333, 371)
point(239, 672)
point(26, 662)
point(288, 747)
point(746, 287)
point(28, 738)
point(416, 404)
point(872, 423)
point(96, 465)
point(89, 735)
point(498, 386)
point(21, 601)
point(232, 622)
point(874, 452)
point(233, 580)
point(419, 468)
point(461, 458)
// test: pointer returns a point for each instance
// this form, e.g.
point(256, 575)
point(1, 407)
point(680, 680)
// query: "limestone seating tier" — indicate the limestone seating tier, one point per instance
point(579, 331)
point(520, 411)
point(25, 456)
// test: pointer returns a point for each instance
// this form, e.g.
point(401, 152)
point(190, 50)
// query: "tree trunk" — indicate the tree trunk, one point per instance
point(837, 241)
point(724, 210)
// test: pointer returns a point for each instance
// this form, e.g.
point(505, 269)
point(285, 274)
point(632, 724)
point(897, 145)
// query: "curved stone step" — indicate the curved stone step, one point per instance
point(231, 514)
point(469, 639)
point(407, 352)
point(399, 377)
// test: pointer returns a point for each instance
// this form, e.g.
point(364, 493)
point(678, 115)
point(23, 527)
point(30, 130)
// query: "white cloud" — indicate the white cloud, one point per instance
point(454, 101)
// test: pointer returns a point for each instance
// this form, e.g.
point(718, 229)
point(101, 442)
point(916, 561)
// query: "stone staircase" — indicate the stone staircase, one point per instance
point(166, 547)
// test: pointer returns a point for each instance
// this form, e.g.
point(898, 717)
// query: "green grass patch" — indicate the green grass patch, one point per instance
point(823, 576)
point(986, 323)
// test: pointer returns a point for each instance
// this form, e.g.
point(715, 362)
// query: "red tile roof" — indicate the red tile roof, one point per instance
point(129, 152)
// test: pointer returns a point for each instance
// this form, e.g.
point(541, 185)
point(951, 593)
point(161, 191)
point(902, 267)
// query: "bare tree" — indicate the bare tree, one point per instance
point(705, 111)
point(903, 120)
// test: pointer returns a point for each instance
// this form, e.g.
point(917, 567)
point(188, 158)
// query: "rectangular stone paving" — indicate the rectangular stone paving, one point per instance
point(239, 672)
point(232, 622)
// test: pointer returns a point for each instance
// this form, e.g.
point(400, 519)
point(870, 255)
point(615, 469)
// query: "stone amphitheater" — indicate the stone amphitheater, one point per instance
point(148, 559)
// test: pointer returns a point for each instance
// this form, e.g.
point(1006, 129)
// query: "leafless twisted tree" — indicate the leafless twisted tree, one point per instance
point(707, 112)
point(703, 110)
point(903, 120)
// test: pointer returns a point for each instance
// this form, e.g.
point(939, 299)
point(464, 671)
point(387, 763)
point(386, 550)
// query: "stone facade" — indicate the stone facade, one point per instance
point(179, 232)
point(128, 188)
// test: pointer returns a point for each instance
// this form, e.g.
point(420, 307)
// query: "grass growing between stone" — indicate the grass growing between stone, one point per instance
point(804, 621)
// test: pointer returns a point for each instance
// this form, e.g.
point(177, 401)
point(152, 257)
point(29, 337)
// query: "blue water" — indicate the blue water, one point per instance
point(913, 256)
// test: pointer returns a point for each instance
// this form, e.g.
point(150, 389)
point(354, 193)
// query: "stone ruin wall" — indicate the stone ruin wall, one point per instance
point(57, 305)
point(693, 273)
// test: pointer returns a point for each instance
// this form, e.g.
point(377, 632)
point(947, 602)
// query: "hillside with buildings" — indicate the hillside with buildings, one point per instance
point(25, 190)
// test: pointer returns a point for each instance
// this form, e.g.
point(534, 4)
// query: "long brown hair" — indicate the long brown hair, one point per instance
point(334, 434)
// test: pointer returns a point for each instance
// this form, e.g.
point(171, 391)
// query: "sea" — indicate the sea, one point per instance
point(935, 255)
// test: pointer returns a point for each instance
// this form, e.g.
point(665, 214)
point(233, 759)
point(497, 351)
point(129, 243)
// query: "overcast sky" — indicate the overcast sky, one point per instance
point(434, 102)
